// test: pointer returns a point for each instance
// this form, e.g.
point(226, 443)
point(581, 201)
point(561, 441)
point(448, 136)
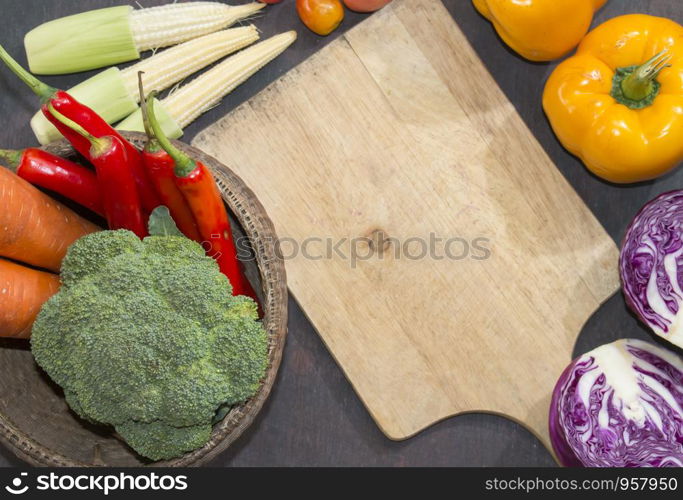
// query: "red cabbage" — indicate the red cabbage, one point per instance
point(651, 265)
point(620, 405)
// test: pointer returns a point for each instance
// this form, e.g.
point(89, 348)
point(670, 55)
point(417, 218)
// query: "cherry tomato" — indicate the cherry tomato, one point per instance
point(320, 16)
point(365, 5)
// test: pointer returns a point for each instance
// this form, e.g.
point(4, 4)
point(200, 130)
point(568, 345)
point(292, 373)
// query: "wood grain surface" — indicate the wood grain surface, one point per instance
point(398, 129)
point(313, 416)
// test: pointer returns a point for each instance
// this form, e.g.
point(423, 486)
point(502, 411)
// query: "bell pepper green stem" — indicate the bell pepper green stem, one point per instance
point(42, 90)
point(184, 165)
point(637, 86)
point(99, 145)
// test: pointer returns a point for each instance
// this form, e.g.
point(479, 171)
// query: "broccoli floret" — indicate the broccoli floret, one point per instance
point(163, 438)
point(146, 336)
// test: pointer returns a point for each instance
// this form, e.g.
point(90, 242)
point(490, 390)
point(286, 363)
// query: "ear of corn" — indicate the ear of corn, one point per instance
point(174, 23)
point(203, 93)
point(134, 122)
point(173, 65)
point(80, 42)
point(104, 37)
point(114, 94)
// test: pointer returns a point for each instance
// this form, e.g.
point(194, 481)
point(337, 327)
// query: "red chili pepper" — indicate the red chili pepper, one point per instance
point(109, 156)
point(57, 174)
point(159, 166)
point(93, 123)
point(201, 193)
point(98, 127)
point(195, 182)
point(160, 170)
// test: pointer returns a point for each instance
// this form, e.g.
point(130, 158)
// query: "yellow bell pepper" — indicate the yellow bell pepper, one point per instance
point(540, 30)
point(618, 103)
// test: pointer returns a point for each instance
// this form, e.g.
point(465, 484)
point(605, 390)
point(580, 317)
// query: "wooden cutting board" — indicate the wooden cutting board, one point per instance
point(390, 134)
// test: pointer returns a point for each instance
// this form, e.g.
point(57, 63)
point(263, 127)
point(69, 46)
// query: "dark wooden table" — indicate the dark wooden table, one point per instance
point(313, 417)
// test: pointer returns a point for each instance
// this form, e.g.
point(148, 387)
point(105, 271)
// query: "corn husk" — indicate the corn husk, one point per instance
point(134, 122)
point(105, 92)
point(81, 42)
point(114, 95)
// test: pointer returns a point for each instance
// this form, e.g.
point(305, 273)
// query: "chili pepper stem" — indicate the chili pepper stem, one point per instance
point(99, 145)
point(152, 145)
point(11, 158)
point(637, 86)
point(184, 165)
point(143, 106)
point(42, 90)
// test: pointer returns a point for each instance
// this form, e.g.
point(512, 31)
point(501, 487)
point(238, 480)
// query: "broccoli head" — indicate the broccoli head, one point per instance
point(147, 337)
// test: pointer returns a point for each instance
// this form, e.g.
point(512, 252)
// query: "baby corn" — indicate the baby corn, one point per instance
point(114, 35)
point(113, 93)
point(190, 101)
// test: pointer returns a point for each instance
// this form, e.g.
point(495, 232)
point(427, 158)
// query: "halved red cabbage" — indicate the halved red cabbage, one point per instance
point(651, 265)
point(620, 405)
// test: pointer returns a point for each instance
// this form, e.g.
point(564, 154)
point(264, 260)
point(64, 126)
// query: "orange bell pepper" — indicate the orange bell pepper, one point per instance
point(618, 103)
point(540, 30)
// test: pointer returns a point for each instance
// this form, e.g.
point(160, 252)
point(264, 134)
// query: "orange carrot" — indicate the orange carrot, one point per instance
point(34, 228)
point(23, 291)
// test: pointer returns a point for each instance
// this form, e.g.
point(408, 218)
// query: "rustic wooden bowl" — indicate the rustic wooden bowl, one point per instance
point(37, 425)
